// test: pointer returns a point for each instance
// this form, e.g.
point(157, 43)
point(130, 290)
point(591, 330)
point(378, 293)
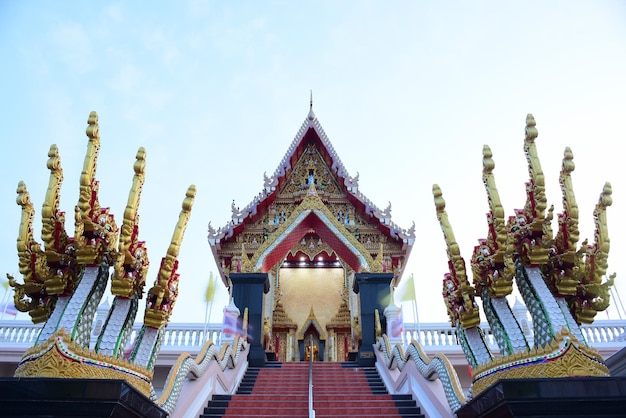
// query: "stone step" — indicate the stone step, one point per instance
point(338, 390)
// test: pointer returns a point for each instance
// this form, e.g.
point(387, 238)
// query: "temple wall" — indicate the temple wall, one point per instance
point(306, 287)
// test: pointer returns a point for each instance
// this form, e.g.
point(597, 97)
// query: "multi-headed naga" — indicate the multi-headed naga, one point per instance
point(65, 279)
point(562, 285)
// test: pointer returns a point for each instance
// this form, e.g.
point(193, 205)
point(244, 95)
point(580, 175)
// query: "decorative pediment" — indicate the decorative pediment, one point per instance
point(352, 228)
point(312, 214)
point(311, 322)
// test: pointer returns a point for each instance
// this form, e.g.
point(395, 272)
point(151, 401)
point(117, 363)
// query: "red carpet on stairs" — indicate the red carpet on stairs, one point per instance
point(337, 392)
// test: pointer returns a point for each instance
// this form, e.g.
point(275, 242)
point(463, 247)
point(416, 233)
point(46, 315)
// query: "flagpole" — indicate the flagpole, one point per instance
point(417, 320)
point(415, 312)
point(206, 310)
point(209, 296)
point(209, 317)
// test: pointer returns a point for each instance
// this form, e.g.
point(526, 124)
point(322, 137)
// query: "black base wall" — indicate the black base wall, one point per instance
point(48, 397)
point(537, 398)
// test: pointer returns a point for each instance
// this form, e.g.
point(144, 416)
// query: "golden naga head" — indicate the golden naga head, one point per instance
point(575, 274)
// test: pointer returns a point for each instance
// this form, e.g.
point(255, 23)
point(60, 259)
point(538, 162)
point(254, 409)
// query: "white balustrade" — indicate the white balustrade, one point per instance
point(181, 335)
point(187, 336)
point(442, 335)
point(18, 333)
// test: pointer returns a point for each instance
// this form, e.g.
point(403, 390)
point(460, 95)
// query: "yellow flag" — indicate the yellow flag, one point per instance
point(408, 291)
point(210, 290)
point(5, 284)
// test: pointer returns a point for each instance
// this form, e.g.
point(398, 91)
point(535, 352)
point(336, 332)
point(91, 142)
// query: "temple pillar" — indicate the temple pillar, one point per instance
point(374, 290)
point(332, 345)
point(248, 290)
point(291, 347)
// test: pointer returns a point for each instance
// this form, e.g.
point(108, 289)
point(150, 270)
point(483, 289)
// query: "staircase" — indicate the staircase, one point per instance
point(339, 389)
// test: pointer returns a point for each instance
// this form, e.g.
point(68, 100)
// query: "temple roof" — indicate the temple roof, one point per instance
point(310, 133)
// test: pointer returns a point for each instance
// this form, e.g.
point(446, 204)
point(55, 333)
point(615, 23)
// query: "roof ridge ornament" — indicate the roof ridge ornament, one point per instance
point(311, 115)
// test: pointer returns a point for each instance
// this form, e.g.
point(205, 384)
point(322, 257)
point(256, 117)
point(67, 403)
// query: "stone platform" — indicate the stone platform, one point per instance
point(48, 397)
point(549, 397)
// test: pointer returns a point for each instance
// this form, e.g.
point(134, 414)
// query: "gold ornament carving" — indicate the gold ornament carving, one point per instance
point(312, 202)
point(312, 321)
point(131, 264)
point(162, 296)
point(59, 357)
point(96, 232)
point(246, 265)
point(310, 169)
point(312, 247)
point(564, 357)
point(457, 292)
point(574, 274)
point(492, 266)
point(31, 296)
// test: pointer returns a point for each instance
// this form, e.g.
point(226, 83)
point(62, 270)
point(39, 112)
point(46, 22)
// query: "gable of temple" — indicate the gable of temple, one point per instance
point(310, 210)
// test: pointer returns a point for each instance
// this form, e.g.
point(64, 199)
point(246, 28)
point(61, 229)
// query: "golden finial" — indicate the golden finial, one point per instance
point(531, 227)
point(599, 263)
point(491, 266)
point(25, 239)
point(454, 253)
point(87, 177)
point(179, 231)
point(497, 236)
point(536, 199)
point(458, 293)
point(131, 266)
point(95, 235)
point(31, 296)
point(567, 261)
point(162, 296)
point(579, 274)
point(53, 230)
point(568, 234)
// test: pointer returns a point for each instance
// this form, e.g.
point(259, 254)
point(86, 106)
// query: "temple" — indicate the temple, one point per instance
point(312, 327)
point(310, 232)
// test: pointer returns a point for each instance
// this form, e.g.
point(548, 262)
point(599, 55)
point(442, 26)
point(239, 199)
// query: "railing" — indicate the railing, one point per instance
point(190, 336)
point(441, 335)
point(311, 410)
point(601, 332)
point(187, 336)
point(19, 332)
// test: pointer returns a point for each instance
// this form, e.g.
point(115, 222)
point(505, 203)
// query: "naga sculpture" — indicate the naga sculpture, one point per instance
point(65, 279)
point(562, 286)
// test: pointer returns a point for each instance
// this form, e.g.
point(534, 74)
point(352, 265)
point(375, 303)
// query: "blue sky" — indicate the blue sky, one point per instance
point(407, 91)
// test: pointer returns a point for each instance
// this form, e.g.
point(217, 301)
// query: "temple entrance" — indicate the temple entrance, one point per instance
point(315, 301)
point(306, 288)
